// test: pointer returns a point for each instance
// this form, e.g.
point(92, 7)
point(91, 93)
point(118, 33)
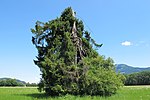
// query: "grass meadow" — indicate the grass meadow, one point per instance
point(29, 93)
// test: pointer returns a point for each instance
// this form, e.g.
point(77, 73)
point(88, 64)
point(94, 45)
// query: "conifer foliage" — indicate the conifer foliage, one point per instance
point(67, 60)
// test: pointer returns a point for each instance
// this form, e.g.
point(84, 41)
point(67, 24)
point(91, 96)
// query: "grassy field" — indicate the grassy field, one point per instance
point(126, 93)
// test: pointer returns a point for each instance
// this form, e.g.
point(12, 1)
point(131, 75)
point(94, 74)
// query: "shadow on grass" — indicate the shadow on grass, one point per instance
point(37, 95)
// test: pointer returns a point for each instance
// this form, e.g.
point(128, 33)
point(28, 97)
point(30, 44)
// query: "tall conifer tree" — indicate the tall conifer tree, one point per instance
point(62, 45)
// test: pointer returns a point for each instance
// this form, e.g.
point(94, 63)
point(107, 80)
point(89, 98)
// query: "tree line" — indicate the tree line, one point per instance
point(10, 82)
point(14, 82)
point(140, 78)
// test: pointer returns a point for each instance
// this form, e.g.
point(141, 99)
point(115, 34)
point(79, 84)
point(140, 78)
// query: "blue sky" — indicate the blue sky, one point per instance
point(123, 26)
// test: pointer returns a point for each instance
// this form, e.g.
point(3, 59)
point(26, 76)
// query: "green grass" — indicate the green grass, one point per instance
point(126, 93)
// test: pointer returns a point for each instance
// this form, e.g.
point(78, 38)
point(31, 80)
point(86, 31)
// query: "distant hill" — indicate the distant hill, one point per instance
point(16, 80)
point(125, 69)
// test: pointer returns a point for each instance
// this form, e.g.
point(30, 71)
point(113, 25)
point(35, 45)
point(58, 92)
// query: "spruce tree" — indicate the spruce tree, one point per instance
point(63, 47)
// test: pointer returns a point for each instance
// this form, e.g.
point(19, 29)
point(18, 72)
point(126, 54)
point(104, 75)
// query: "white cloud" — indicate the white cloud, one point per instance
point(126, 43)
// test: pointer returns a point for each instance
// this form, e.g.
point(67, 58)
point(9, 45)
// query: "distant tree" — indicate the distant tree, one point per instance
point(31, 84)
point(140, 78)
point(67, 60)
point(2, 82)
point(10, 82)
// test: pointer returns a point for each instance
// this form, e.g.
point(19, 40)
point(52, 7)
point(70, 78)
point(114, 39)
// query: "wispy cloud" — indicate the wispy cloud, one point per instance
point(147, 45)
point(126, 43)
point(143, 43)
